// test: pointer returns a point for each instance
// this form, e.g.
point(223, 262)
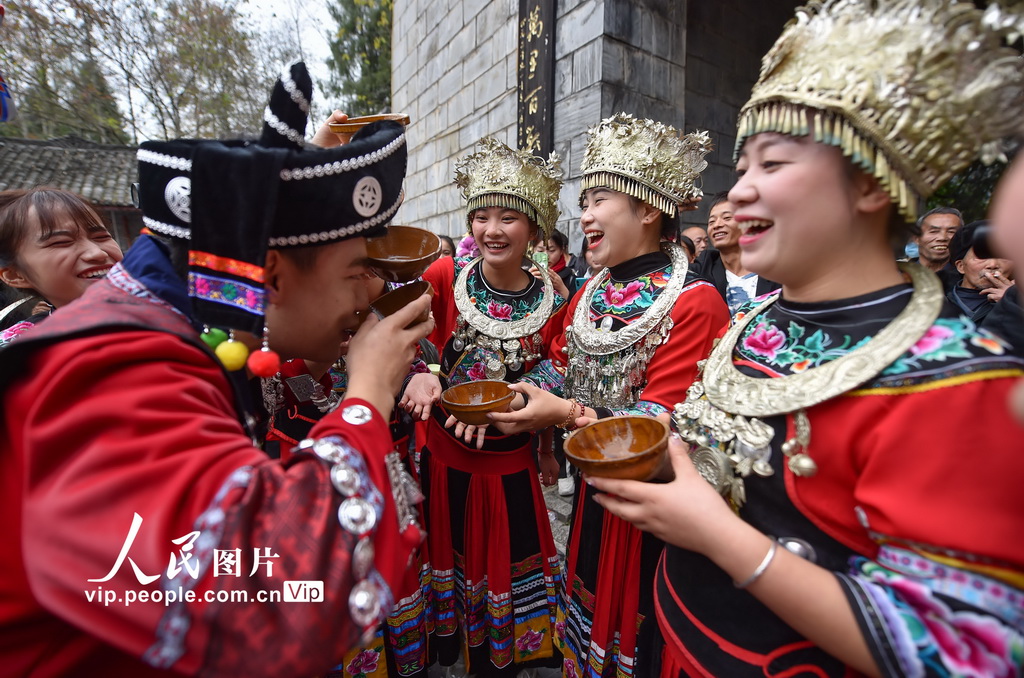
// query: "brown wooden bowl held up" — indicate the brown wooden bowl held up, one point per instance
point(470, 402)
point(403, 253)
point(353, 125)
point(387, 304)
point(629, 447)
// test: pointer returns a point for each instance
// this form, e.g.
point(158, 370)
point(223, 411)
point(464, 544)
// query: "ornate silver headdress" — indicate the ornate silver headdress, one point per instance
point(648, 160)
point(498, 176)
point(912, 91)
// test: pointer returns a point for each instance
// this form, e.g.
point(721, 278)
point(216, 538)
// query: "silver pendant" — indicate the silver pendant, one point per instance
point(691, 409)
point(458, 344)
point(364, 603)
point(737, 492)
point(713, 466)
point(802, 465)
point(753, 432)
point(362, 558)
point(494, 368)
point(357, 515)
point(345, 480)
point(758, 456)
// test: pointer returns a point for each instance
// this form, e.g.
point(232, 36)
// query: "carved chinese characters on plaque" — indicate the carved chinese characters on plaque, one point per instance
point(536, 68)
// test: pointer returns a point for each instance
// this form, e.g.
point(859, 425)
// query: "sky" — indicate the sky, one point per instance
point(308, 20)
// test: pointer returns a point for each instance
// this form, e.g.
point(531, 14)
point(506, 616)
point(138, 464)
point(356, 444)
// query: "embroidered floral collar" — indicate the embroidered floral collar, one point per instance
point(739, 394)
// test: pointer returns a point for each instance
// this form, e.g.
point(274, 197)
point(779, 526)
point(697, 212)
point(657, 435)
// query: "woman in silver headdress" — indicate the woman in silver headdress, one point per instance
point(495, 568)
point(631, 344)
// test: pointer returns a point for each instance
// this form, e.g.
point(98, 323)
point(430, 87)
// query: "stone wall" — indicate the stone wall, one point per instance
point(454, 73)
point(725, 43)
point(686, 63)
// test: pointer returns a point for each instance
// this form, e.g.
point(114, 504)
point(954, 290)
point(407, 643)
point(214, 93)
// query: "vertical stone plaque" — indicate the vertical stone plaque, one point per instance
point(536, 70)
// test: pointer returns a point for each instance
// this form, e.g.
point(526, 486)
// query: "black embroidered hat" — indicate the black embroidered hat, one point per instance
point(235, 199)
point(165, 186)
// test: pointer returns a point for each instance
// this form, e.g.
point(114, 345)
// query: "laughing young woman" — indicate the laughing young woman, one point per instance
point(631, 345)
point(868, 506)
point(52, 245)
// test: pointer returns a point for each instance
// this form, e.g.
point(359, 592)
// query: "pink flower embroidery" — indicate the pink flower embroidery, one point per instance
point(764, 341)
point(570, 669)
point(477, 372)
point(529, 642)
point(363, 663)
point(560, 629)
point(467, 247)
point(15, 330)
point(970, 644)
point(932, 340)
point(623, 297)
point(499, 311)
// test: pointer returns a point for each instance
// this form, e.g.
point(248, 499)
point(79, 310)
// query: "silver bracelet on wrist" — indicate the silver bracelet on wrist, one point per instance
point(765, 562)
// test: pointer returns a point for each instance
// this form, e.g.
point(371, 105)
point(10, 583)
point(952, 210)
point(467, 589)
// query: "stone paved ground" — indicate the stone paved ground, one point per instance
point(559, 509)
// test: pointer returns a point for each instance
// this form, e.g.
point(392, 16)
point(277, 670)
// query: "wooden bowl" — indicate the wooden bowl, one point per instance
point(630, 447)
point(353, 125)
point(403, 254)
point(470, 402)
point(387, 304)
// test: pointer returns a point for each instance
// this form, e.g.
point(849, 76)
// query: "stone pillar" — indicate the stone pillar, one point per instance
point(613, 56)
point(726, 40)
point(579, 40)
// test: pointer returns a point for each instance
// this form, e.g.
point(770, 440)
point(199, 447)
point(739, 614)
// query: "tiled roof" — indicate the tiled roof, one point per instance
point(101, 173)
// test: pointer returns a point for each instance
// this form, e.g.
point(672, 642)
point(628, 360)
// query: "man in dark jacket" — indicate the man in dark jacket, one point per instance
point(722, 265)
point(983, 281)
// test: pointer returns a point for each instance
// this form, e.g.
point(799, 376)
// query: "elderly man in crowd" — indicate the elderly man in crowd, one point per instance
point(936, 229)
point(698, 236)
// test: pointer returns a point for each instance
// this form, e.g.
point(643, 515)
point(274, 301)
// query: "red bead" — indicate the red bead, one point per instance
point(264, 363)
point(412, 536)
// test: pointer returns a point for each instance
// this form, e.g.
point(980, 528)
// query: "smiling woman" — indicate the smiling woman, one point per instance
point(53, 245)
point(495, 567)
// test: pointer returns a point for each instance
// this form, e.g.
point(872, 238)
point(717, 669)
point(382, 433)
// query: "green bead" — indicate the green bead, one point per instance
point(213, 337)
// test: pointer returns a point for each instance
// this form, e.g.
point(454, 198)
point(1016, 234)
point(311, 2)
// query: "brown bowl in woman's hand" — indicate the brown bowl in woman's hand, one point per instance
point(472, 401)
point(629, 447)
point(388, 304)
point(403, 253)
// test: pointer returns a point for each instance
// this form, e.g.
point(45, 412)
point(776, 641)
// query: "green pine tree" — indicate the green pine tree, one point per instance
point(969, 191)
point(360, 60)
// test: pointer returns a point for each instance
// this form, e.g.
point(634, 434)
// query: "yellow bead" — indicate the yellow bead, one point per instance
point(232, 354)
